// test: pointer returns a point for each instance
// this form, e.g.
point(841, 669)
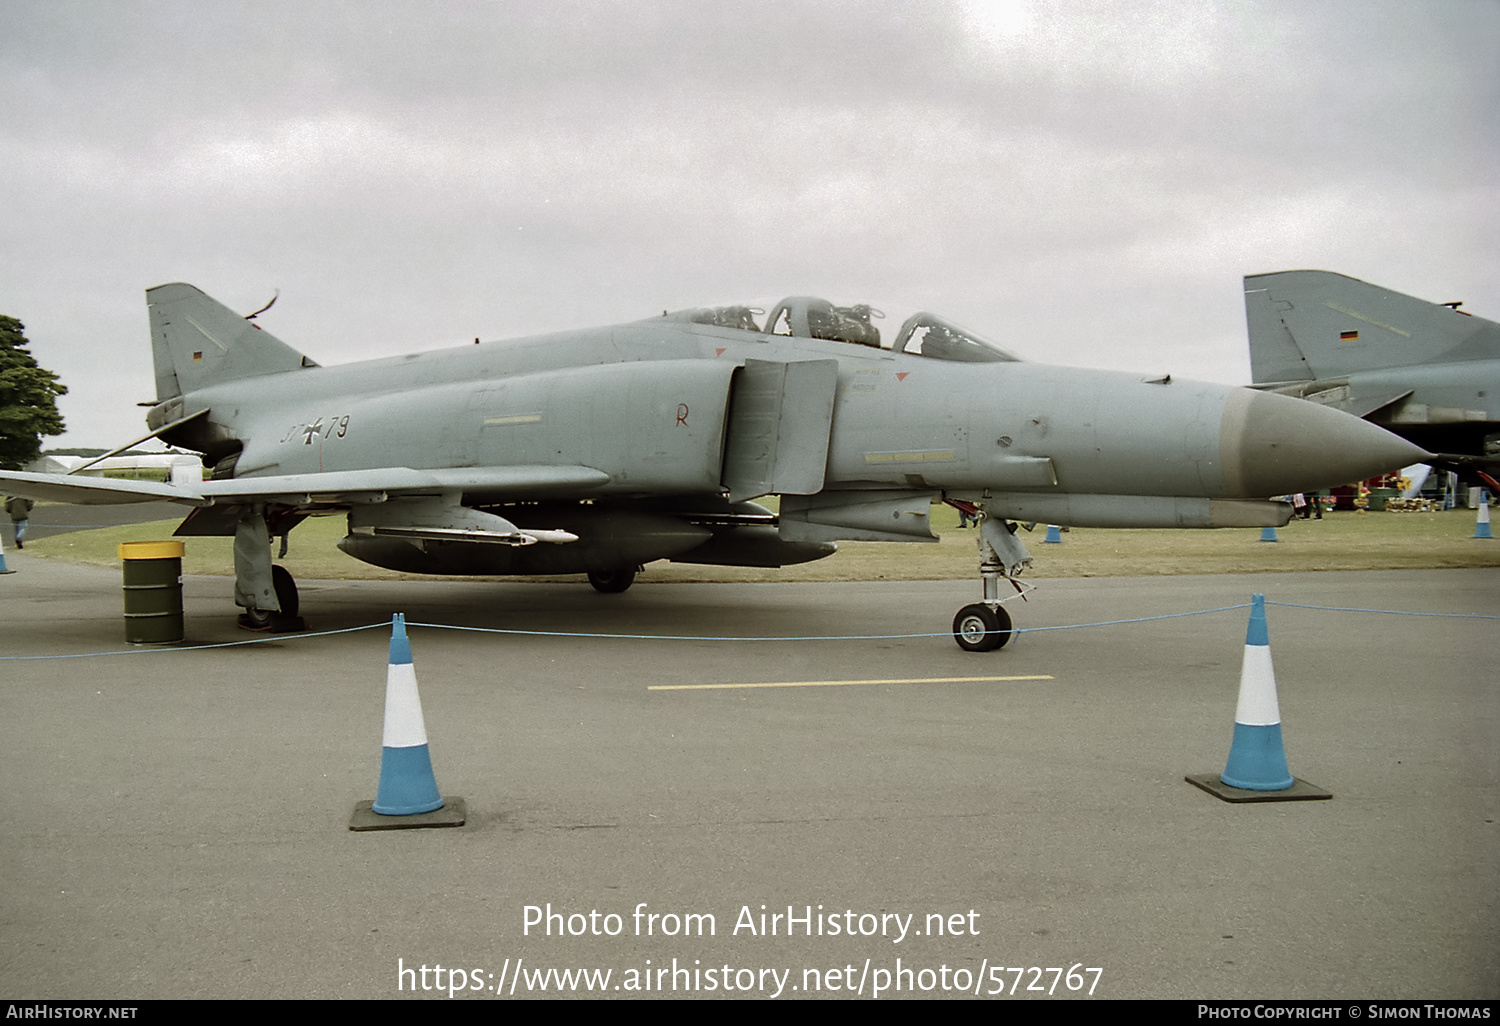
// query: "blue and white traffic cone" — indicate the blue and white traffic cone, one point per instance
point(1257, 759)
point(1268, 534)
point(1257, 769)
point(1481, 527)
point(1054, 536)
point(407, 785)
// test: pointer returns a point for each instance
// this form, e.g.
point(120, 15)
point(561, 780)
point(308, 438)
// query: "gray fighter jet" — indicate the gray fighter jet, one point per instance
point(601, 450)
point(1428, 372)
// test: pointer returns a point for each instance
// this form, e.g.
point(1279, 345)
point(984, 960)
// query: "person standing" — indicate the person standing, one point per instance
point(20, 512)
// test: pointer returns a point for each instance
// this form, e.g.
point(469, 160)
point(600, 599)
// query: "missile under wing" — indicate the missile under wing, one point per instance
point(601, 450)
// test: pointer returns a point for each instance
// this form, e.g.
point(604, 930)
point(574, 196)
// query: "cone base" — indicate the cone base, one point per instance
point(1257, 758)
point(407, 786)
point(453, 814)
point(1300, 791)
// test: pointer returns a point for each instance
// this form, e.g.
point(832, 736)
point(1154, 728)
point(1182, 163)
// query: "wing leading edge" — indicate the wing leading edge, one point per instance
point(492, 484)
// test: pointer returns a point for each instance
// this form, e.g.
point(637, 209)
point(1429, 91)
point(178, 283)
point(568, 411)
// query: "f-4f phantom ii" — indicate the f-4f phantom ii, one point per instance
point(1428, 372)
point(601, 450)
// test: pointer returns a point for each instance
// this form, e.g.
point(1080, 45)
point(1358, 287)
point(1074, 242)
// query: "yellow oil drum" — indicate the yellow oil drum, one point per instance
point(153, 592)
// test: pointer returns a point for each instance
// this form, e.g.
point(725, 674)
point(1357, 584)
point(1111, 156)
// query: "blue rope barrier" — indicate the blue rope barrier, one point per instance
point(385, 624)
point(720, 638)
point(1390, 612)
point(806, 637)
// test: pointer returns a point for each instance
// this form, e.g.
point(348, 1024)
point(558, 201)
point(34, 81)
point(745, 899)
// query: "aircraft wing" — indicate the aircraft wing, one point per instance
point(331, 489)
point(526, 481)
point(92, 491)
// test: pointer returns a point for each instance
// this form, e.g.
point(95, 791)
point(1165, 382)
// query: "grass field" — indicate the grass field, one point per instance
point(1340, 541)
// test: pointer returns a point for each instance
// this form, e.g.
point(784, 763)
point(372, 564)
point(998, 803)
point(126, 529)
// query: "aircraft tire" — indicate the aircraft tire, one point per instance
point(611, 582)
point(286, 596)
point(981, 628)
point(256, 619)
point(286, 590)
point(286, 621)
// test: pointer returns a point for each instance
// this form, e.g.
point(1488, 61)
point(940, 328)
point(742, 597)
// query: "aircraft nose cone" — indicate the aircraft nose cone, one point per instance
point(1276, 445)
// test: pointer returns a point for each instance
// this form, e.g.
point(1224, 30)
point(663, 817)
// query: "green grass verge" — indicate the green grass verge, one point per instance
point(1340, 541)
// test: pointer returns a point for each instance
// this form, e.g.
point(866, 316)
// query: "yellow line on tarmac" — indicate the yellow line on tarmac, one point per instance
point(839, 683)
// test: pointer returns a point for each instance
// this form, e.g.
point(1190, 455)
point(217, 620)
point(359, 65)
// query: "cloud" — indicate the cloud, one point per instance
point(1085, 181)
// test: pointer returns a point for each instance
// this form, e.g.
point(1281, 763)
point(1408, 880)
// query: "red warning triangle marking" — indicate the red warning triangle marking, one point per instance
point(719, 351)
point(901, 375)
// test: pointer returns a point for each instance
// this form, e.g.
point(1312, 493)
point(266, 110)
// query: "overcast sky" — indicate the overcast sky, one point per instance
point(1085, 182)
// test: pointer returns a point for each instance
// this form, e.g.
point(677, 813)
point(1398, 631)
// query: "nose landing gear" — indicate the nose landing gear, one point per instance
point(985, 626)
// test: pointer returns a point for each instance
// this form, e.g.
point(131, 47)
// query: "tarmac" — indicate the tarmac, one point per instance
point(176, 820)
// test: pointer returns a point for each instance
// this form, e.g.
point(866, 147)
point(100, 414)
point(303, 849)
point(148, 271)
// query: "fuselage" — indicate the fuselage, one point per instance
point(647, 404)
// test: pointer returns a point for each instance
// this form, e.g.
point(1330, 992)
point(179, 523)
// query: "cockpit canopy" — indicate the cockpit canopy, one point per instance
point(921, 334)
point(808, 317)
point(925, 334)
point(741, 317)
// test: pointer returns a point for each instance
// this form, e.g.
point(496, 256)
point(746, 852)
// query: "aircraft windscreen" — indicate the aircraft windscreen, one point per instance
point(926, 334)
point(740, 317)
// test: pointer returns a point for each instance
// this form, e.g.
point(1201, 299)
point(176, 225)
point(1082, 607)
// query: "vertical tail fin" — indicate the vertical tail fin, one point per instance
point(196, 341)
point(1307, 325)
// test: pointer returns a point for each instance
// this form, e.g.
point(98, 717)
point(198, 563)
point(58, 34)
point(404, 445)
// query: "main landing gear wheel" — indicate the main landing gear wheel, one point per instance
point(611, 582)
point(286, 596)
point(981, 628)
